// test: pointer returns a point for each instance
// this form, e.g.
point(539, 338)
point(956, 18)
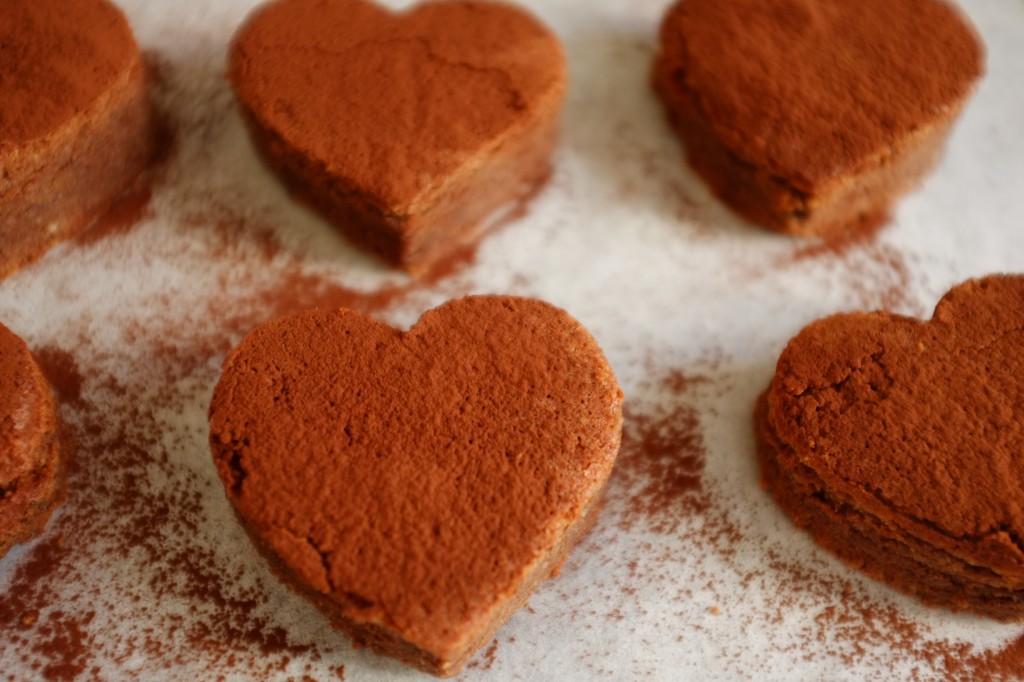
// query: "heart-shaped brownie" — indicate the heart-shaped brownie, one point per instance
point(899, 444)
point(407, 131)
point(418, 485)
point(809, 116)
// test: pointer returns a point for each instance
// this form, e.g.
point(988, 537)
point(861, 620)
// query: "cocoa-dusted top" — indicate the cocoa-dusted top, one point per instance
point(26, 410)
point(811, 89)
point(918, 422)
point(56, 58)
point(394, 103)
point(413, 476)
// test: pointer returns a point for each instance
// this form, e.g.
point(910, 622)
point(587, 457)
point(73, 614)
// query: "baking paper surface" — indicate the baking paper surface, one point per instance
point(692, 572)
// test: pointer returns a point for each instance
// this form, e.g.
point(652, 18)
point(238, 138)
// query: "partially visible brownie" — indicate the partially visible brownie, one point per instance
point(33, 459)
point(897, 444)
point(410, 132)
point(76, 126)
point(811, 116)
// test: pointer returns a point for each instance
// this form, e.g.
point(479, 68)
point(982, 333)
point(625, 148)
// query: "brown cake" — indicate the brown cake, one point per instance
point(75, 122)
point(409, 132)
point(899, 445)
point(417, 486)
point(812, 117)
point(32, 459)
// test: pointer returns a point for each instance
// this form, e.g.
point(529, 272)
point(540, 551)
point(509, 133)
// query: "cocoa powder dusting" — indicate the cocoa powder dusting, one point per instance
point(660, 485)
point(113, 506)
point(132, 496)
point(662, 460)
point(485, 660)
point(144, 570)
point(41, 61)
point(133, 206)
point(880, 275)
point(61, 370)
point(839, 244)
point(144, 508)
point(1006, 663)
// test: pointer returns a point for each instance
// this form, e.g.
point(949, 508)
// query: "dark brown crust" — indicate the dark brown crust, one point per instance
point(59, 184)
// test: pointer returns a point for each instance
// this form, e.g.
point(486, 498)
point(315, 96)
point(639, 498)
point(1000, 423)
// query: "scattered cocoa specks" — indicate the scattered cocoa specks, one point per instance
point(485, 660)
point(662, 458)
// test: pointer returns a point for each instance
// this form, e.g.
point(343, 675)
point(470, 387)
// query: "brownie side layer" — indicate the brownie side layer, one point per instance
point(56, 186)
point(34, 446)
point(870, 544)
point(775, 202)
point(499, 177)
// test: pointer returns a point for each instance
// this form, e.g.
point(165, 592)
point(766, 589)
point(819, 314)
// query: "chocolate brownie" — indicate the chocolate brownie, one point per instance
point(409, 132)
point(811, 117)
point(417, 486)
point(76, 126)
point(897, 444)
point(32, 455)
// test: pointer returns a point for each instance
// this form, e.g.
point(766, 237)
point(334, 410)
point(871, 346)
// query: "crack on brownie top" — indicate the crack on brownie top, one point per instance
point(325, 561)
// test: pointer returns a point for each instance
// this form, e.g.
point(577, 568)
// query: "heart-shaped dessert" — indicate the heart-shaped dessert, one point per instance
point(76, 126)
point(811, 116)
point(407, 131)
point(33, 458)
point(418, 485)
point(899, 444)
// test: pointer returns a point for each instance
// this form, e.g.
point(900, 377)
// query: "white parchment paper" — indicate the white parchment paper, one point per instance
point(691, 305)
